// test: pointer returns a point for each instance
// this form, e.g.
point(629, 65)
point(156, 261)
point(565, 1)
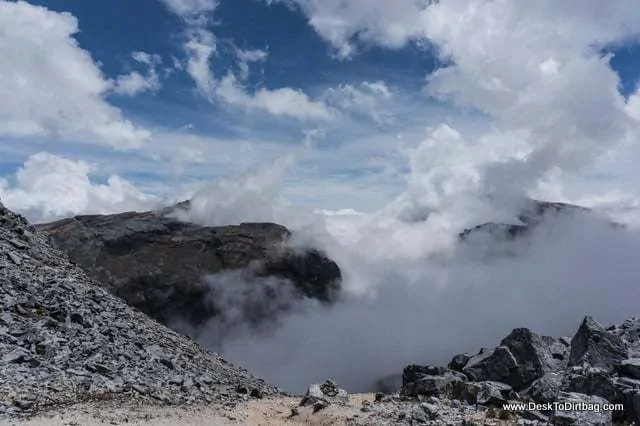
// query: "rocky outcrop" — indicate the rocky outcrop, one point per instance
point(530, 217)
point(521, 358)
point(158, 264)
point(594, 346)
point(64, 338)
point(598, 365)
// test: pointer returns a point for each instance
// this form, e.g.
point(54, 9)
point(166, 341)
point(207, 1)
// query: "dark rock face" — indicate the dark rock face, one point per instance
point(458, 362)
point(630, 368)
point(429, 380)
point(546, 388)
point(521, 358)
point(157, 263)
point(535, 355)
point(594, 346)
point(497, 364)
point(65, 339)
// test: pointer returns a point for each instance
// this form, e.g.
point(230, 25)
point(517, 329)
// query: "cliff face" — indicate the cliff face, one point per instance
point(158, 264)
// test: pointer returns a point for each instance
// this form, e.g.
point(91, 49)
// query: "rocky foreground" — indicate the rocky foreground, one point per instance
point(64, 339)
point(73, 353)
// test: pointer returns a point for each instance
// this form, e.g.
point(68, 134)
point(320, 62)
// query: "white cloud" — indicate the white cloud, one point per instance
point(246, 57)
point(50, 187)
point(279, 102)
point(191, 8)
point(633, 104)
point(202, 46)
point(200, 49)
point(345, 24)
point(134, 83)
point(367, 99)
point(49, 86)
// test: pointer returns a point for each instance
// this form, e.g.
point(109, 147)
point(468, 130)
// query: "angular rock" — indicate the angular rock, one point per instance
point(546, 388)
point(631, 402)
point(535, 355)
point(428, 380)
point(485, 393)
point(64, 338)
point(324, 394)
point(585, 415)
point(458, 362)
point(597, 347)
point(497, 364)
point(630, 368)
point(629, 332)
point(592, 381)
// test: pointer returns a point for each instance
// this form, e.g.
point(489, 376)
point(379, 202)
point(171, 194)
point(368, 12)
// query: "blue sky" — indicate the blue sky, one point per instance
point(343, 87)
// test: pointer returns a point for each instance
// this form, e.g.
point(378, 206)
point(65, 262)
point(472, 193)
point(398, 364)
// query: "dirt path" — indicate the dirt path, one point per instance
point(264, 412)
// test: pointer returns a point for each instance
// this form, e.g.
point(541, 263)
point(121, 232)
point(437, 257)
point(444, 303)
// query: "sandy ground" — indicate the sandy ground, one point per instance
point(264, 412)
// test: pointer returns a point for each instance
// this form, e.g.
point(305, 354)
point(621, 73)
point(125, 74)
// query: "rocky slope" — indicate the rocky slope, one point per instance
point(596, 366)
point(64, 338)
point(157, 263)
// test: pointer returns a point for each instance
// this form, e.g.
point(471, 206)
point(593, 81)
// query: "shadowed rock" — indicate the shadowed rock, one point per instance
point(157, 263)
point(596, 347)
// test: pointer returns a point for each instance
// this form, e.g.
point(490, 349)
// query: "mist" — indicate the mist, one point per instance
point(412, 291)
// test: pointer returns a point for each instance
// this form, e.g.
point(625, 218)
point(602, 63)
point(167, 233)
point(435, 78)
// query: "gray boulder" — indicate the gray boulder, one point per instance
point(522, 357)
point(485, 393)
point(595, 346)
point(630, 368)
point(629, 332)
point(580, 411)
point(429, 381)
point(497, 364)
point(546, 388)
point(631, 398)
point(458, 362)
point(536, 355)
point(322, 395)
point(592, 381)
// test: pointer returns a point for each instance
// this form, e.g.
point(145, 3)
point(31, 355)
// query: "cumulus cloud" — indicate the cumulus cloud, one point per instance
point(134, 83)
point(50, 86)
point(50, 187)
point(284, 101)
point(346, 24)
point(254, 196)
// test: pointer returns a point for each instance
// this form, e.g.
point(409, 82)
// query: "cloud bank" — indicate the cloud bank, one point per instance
point(50, 87)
